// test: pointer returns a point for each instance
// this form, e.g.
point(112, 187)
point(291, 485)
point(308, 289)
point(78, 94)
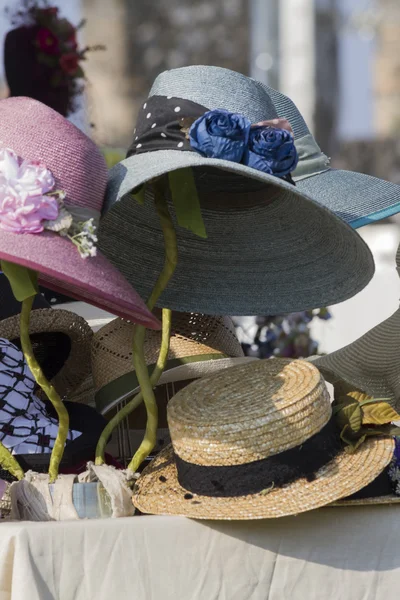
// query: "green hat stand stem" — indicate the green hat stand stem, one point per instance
point(147, 382)
point(187, 207)
point(138, 399)
point(25, 287)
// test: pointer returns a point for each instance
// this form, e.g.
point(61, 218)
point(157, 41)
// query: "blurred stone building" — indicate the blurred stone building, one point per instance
point(146, 37)
point(387, 70)
point(307, 54)
point(381, 155)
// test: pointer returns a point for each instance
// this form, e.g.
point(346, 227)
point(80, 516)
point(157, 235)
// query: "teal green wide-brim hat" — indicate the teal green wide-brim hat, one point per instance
point(357, 198)
point(271, 248)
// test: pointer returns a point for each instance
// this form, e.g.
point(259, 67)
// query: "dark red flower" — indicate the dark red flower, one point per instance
point(47, 41)
point(69, 63)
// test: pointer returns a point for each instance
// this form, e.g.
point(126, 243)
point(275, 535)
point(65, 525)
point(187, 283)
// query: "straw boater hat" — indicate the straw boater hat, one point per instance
point(199, 345)
point(270, 248)
point(56, 179)
point(255, 441)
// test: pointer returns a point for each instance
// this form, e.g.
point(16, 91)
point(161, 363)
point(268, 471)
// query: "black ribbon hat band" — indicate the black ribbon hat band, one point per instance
point(159, 125)
point(272, 472)
point(163, 124)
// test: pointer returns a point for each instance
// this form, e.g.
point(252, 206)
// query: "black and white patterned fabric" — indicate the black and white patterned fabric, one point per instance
point(159, 125)
point(25, 427)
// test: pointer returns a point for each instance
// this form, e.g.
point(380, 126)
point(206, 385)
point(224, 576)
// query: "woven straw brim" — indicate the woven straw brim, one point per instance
point(356, 198)
point(345, 475)
point(198, 345)
point(77, 366)
point(371, 363)
point(269, 250)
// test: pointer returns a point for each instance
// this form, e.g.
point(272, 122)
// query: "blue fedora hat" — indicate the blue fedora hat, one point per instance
point(271, 248)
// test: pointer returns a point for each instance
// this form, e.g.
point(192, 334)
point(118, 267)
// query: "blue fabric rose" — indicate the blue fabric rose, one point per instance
point(271, 150)
point(220, 134)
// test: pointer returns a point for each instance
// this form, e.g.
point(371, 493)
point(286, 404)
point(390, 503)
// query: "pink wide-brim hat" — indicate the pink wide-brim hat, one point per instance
point(36, 132)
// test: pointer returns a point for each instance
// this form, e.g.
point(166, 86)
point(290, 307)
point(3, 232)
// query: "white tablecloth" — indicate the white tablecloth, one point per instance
point(341, 554)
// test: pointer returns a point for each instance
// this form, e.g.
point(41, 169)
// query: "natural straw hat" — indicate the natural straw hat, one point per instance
point(372, 362)
point(199, 345)
point(61, 342)
point(270, 248)
point(46, 160)
point(255, 441)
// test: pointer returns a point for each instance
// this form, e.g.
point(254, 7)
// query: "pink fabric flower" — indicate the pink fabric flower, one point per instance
point(23, 205)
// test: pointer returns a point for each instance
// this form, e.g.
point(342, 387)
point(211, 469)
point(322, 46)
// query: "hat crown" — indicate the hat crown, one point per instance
point(286, 108)
point(215, 87)
point(36, 132)
point(248, 413)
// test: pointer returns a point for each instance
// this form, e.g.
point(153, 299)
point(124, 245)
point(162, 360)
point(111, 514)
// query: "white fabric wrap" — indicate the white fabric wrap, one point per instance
point(32, 500)
point(114, 482)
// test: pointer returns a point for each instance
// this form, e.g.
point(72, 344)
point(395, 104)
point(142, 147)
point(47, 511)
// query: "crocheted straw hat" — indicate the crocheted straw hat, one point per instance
point(70, 163)
point(255, 441)
point(356, 198)
point(199, 345)
point(271, 249)
point(61, 343)
point(372, 362)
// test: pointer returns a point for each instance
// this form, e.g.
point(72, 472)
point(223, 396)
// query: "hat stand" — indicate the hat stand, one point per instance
point(48, 497)
point(146, 382)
